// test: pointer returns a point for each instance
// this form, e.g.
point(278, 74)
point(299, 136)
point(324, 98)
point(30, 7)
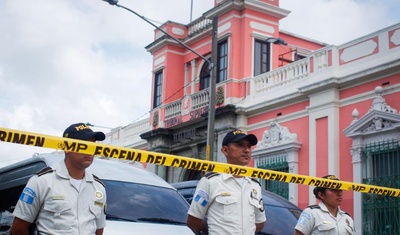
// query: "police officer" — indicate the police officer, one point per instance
point(326, 217)
point(67, 199)
point(233, 204)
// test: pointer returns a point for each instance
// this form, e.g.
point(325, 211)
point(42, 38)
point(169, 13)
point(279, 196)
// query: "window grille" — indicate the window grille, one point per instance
point(278, 163)
point(381, 214)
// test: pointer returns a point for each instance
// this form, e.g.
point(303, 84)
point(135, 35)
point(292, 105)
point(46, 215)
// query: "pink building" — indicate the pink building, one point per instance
point(316, 109)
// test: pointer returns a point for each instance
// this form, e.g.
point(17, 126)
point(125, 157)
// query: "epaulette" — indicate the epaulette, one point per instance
point(346, 213)
point(44, 171)
point(314, 207)
point(98, 180)
point(255, 180)
point(211, 174)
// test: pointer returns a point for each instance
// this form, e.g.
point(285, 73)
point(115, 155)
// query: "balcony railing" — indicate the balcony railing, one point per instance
point(278, 77)
point(198, 100)
point(198, 25)
point(173, 109)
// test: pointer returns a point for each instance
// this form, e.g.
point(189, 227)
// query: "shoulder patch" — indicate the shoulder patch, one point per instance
point(98, 180)
point(44, 171)
point(255, 180)
point(314, 207)
point(211, 174)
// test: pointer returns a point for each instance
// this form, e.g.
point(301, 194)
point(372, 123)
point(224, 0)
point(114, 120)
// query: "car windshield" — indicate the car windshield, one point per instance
point(138, 202)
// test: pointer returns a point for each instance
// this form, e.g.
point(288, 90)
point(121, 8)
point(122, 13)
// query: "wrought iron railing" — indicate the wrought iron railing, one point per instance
point(381, 214)
point(277, 163)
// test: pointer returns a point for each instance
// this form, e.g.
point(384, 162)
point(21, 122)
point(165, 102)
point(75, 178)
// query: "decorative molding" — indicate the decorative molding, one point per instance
point(262, 27)
point(178, 31)
point(155, 119)
point(377, 124)
point(186, 105)
point(159, 61)
point(379, 102)
point(219, 96)
point(395, 38)
point(358, 51)
point(379, 118)
point(224, 27)
point(356, 154)
point(276, 135)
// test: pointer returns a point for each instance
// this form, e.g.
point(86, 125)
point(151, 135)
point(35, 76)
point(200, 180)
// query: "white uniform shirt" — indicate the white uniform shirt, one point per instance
point(59, 207)
point(230, 208)
point(316, 220)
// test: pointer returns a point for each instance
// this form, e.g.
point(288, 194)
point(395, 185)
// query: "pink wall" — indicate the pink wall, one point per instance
point(271, 114)
point(322, 146)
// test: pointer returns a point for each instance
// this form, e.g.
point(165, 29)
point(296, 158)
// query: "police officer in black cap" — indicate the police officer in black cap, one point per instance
point(67, 199)
point(326, 217)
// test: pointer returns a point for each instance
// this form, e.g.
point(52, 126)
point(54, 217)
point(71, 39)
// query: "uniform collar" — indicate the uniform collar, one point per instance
point(324, 208)
point(62, 171)
point(228, 176)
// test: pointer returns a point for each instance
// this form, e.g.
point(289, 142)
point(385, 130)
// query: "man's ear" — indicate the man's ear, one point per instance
point(321, 195)
point(224, 149)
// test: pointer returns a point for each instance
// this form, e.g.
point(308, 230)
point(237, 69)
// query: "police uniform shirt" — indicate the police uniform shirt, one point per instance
point(231, 207)
point(59, 207)
point(316, 220)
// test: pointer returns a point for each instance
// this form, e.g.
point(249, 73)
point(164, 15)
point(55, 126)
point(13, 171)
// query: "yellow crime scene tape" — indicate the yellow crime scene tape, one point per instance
point(53, 142)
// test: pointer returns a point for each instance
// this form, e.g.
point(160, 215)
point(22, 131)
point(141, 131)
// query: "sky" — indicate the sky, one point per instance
point(63, 61)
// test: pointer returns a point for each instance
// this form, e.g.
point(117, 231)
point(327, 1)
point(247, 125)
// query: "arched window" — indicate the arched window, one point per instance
point(204, 76)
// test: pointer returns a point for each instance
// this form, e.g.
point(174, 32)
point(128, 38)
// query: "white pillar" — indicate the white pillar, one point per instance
point(193, 64)
point(357, 196)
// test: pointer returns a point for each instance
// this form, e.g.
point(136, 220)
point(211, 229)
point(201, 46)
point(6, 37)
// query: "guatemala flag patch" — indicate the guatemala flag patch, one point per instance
point(28, 195)
point(202, 198)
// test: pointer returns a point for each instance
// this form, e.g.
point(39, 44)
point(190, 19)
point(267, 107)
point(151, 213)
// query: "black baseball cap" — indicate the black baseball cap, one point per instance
point(81, 131)
point(329, 177)
point(238, 135)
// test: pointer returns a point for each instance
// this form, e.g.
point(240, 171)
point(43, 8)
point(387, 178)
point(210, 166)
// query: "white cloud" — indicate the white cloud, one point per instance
point(339, 21)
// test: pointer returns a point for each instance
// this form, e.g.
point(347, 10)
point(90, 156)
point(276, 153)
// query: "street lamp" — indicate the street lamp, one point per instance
point(280, 41)
point(91, 125)
point(211, 106)
point(277, 41)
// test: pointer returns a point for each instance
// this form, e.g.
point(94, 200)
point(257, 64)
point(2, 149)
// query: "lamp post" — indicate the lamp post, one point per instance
point(277, 41)
point(104, 127)
point(211, 106)
point(280, 41)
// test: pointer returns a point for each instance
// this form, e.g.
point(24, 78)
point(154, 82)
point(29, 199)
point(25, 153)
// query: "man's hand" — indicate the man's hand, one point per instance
point(197, 225)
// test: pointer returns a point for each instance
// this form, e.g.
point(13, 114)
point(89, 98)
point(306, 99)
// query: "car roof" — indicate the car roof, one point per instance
point(269, 197)
point(104, 168)
point(185, 184)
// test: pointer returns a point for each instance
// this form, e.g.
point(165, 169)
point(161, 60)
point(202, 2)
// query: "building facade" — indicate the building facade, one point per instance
point(316, 109)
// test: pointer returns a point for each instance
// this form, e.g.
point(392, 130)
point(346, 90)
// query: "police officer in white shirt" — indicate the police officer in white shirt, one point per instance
point(67, 199)
point(326, 217)
point(233, 204)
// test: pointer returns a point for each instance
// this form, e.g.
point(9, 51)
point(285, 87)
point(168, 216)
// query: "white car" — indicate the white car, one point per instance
point(138, 201)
